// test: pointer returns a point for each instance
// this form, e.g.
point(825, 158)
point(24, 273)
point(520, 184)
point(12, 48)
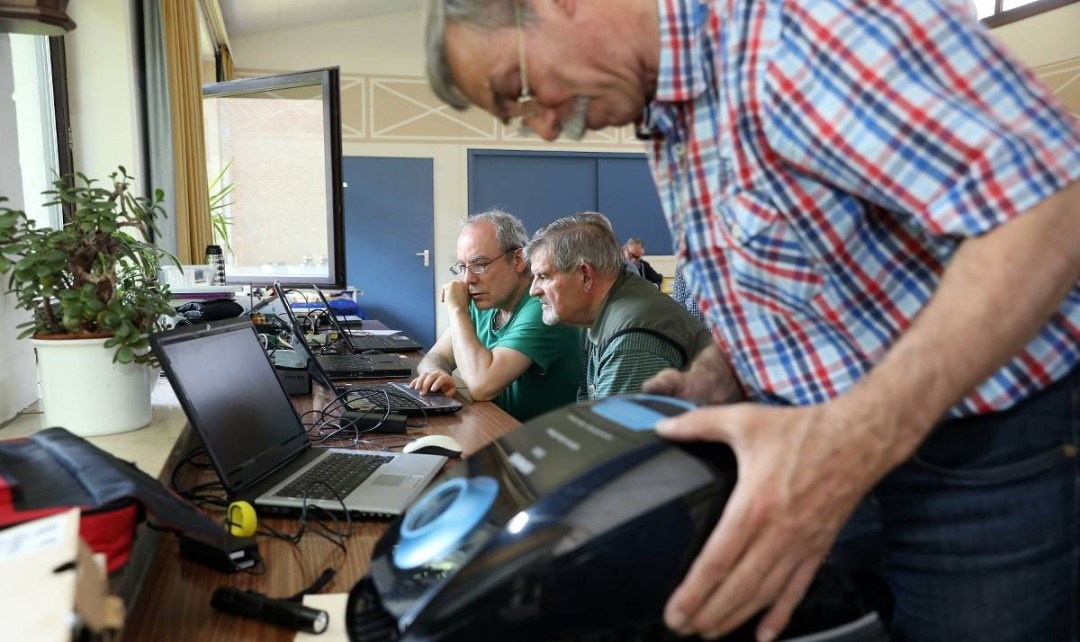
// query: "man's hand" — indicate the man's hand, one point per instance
point(435, 382)
point(709, 380)
point(801, 473)
point(455, 295)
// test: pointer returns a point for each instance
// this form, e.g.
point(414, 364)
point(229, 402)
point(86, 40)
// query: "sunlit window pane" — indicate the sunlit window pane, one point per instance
point(32, 127)
point(984, 8)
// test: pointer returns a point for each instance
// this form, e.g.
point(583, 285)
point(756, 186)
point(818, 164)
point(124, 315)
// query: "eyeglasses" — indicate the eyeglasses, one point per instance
point(526, 106)
point(459, 268)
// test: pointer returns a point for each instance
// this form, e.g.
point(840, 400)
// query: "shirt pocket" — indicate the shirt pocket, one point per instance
point(767, 262)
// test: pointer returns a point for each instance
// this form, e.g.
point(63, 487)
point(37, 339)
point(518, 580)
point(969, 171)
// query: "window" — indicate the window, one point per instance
point(995, 13)
point(33, 108)
point(30, 120)
point(278, 140)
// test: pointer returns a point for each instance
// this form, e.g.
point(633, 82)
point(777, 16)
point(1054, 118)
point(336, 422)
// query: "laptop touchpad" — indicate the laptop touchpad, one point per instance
point(387, 479)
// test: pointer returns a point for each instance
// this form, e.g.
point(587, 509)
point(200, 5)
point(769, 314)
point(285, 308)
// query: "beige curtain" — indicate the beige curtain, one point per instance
point(193, 228)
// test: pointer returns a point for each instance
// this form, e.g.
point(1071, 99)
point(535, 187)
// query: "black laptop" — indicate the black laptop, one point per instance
point(381, 397)
point(255, 439)
point(345, 366)
point(360, 341)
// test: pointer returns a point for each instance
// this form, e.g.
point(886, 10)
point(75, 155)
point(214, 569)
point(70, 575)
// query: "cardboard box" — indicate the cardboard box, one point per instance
point(53, 585)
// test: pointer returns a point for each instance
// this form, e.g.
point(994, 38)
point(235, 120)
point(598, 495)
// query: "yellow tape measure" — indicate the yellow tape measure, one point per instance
point(242, 522)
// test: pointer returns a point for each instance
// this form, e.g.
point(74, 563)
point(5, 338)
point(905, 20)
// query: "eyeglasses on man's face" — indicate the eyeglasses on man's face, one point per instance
point(478, 267)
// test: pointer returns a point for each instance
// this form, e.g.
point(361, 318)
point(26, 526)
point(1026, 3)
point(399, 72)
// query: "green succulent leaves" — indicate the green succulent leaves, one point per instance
point(91, 276)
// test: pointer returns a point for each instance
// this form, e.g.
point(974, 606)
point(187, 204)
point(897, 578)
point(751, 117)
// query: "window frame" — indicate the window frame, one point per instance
point(328, 79)
point(999, 17)
point(62, 117)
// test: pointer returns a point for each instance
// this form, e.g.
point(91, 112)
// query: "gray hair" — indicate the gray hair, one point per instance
point(633, 240)
point(510, 232)
point(486, 15)
point(581, 238)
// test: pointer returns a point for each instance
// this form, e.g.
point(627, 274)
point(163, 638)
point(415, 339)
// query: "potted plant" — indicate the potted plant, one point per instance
point(93, 295)
point(220, 190)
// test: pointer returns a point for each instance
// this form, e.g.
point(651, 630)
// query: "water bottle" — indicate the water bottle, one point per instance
point(215, 258)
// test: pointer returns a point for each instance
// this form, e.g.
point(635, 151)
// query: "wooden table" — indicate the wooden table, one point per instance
point(174, 600)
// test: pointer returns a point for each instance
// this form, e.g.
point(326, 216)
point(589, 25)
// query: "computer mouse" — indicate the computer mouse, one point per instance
point(434, 445)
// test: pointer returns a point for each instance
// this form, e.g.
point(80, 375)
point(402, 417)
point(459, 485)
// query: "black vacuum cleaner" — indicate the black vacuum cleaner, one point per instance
point(577, 525)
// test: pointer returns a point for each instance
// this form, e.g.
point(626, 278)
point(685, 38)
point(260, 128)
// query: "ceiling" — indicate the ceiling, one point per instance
point(251, 17)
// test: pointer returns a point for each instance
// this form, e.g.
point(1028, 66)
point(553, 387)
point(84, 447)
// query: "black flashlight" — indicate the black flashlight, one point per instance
point(291, 615)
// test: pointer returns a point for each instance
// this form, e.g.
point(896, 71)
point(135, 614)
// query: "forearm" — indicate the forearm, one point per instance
point(440, 358)
point(711, 364)
point(473, 359)
point(994, 296)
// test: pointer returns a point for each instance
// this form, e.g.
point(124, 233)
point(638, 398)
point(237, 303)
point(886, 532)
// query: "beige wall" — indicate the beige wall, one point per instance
point(388, 110)
point(1049, 44)
point(104, 94)
point(1044, 39)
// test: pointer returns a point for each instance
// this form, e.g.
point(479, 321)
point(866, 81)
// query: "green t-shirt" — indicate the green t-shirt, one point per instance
point(555, 351)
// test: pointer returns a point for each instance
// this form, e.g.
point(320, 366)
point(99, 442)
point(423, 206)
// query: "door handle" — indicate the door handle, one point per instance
point(427, 256)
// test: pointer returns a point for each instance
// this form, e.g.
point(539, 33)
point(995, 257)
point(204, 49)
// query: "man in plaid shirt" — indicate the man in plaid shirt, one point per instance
point(878, 210)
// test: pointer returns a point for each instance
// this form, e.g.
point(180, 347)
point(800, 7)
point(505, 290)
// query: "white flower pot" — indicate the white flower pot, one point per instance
point(83, 391)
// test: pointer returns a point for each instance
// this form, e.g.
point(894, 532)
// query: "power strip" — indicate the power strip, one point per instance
point(373, 421)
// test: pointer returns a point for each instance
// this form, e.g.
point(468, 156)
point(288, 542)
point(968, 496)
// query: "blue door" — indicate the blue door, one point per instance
point(539, 187)
point(390, 240)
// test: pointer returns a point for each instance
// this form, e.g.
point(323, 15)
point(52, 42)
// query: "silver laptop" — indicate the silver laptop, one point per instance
point(255, 439)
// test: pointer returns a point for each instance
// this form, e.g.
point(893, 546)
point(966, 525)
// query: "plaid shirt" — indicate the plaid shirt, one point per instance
point(820, 161)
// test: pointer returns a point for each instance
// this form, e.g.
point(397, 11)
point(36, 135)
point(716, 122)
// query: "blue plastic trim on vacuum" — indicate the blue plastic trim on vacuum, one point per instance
point(442, 518)
point(626, 412)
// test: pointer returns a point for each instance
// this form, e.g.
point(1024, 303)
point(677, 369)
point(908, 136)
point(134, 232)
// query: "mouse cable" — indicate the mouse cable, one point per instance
point(316, 586)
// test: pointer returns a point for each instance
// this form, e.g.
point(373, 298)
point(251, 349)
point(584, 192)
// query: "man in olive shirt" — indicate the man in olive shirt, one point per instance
point(634, 330)
point(497, 340)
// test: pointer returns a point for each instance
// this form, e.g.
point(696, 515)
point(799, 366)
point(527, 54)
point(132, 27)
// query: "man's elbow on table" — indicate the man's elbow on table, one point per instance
point(486, 390)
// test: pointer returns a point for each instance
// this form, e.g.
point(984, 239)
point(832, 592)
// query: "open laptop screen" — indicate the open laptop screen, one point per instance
point(334, 323)
point(232, 397)
point(300, 344)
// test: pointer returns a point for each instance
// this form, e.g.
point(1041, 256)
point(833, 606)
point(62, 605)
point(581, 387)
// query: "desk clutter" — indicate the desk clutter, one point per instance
point(54, 470)
point(583, 505)
point(260, 447)
point(74, 510)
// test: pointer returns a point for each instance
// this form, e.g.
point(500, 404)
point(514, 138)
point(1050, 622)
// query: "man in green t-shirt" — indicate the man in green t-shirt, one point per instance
point(497, 339)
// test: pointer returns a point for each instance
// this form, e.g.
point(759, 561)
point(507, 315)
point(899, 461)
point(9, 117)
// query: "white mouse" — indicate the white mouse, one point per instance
point(434, 445)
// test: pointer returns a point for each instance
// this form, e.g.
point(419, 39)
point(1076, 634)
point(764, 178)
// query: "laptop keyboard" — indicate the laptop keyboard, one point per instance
point(337, 471)
point(346, 362)
point(378, 394)
point(375, 342)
